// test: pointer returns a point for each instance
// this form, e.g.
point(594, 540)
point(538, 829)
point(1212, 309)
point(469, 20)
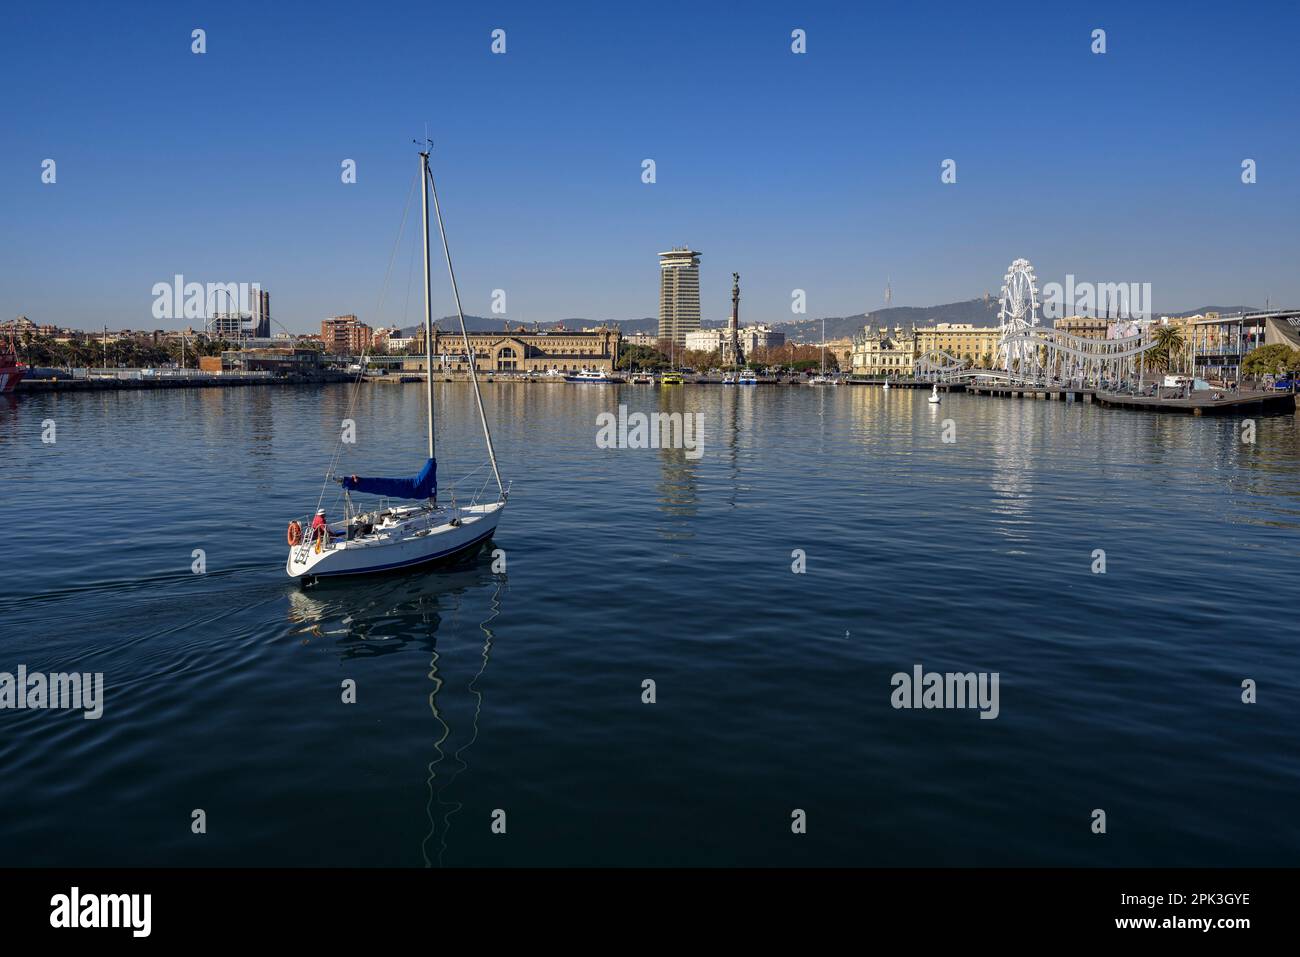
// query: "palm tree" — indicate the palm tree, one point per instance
point(1168, 349)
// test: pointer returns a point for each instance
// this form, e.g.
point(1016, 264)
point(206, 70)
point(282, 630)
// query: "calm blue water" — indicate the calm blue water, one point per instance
point(522, 691)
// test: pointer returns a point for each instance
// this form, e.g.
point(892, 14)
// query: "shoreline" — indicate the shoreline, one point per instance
point(1260, 401)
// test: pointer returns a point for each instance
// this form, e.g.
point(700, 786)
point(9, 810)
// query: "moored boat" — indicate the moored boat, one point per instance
point(11, 370)
point(597, 376)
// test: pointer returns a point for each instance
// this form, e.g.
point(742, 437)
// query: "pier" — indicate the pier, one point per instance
point(1019, 391)
point(912, 384)
point(215, 381)
point(1203, 403)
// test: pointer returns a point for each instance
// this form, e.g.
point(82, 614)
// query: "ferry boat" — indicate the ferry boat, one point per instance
point(671, 378)
point(590, 375)
point(11, 370)
point(643, 378)
point(747, 378)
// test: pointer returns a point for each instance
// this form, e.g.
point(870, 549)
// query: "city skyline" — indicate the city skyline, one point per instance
point(225, 166)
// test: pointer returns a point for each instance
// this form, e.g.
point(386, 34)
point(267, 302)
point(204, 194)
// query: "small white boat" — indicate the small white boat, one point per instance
point(643, 378)
point(934, 395)
point(728, 379)
point(589, 375)
point(747, 378)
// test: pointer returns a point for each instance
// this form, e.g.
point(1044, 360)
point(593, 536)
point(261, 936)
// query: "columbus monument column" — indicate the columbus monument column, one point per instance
point(731, 350)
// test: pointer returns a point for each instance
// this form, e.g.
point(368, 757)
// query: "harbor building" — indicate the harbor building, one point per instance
point(1085, 327)
point(679, 294)
point(751, 339)
point(705, 340)
point(283, 360)
point(961, 340)
point(345, 335)
point(1219, 343)
point(841, 351)
point(883, 352)
point(519, 351)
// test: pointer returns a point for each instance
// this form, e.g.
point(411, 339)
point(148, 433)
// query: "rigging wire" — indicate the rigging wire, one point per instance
point(356, 385)
point(469, 353)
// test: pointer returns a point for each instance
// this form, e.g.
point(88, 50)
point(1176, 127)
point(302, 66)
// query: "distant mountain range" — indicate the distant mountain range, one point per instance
point(981, 312)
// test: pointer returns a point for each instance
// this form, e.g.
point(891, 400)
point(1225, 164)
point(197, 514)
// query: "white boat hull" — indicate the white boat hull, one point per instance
point(420, 537)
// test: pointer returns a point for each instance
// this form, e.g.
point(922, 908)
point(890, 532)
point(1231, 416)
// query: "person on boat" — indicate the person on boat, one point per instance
point(319, 526)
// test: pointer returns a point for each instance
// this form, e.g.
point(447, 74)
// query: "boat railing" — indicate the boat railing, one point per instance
point(474, 499)
point(309, 534)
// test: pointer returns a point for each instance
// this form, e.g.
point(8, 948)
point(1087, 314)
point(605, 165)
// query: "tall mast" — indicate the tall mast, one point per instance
point(455, 291)
point(428, 304)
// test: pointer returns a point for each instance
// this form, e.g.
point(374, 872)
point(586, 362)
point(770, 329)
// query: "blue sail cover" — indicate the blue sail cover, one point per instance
point(421, 486)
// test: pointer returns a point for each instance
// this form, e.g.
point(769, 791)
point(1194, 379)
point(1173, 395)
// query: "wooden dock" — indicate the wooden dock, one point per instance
point(1063, 392)
point(913, 384)
point(1204, 403)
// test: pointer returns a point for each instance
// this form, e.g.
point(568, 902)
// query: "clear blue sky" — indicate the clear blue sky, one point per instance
point(818, 171)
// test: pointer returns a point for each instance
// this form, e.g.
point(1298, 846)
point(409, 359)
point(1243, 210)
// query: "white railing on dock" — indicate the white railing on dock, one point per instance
point(150, 374)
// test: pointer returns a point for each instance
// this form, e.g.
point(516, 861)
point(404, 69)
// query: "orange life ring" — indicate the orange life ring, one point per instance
point(295, 533)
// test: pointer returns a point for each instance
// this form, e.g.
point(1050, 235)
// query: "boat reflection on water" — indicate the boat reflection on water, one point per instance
point(384, 617)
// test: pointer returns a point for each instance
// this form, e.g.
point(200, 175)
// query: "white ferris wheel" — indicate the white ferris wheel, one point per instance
point(1018, 318)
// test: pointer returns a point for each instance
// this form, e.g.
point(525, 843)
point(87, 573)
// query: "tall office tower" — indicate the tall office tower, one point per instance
point(679, 294)
point(261, 314)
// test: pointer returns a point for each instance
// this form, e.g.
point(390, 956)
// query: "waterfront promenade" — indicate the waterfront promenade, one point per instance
point(1215, 402)
point(72, 383)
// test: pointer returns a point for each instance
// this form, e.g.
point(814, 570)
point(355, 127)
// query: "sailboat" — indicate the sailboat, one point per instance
point(421, 530)
point(672, 376)
point(11, 370)
point(823, 378)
